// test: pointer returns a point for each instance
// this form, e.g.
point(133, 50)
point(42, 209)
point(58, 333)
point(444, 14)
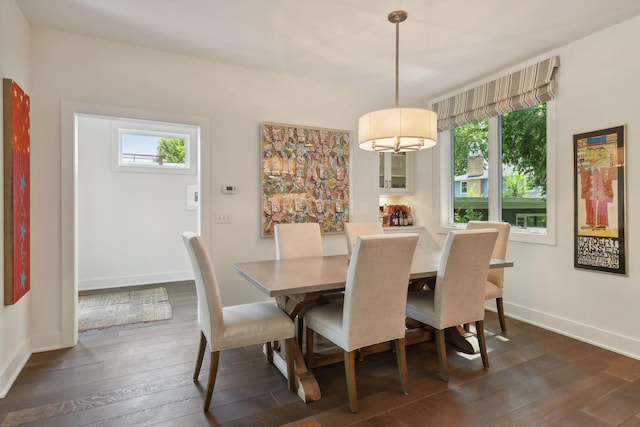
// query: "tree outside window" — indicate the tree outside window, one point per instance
point(522, 154)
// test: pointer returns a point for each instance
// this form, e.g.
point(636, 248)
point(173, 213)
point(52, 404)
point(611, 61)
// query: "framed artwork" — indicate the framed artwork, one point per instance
point(599, 188)
point(17, 274)
point(305, 176)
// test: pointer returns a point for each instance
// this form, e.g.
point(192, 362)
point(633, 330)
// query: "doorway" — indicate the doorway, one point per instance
point(106, 211)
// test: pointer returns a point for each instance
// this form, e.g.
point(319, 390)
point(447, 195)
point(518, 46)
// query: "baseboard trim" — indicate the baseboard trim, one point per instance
point(14, 367)
point(608, 340)
point(142, 279)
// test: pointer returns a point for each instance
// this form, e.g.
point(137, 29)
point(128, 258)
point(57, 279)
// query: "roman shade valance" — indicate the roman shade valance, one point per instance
point(519, 90)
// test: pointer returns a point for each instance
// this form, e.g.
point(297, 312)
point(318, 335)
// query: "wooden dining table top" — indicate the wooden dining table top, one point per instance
point(327, 273)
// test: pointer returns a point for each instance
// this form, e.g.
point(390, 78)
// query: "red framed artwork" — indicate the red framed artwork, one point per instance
point(16, 104)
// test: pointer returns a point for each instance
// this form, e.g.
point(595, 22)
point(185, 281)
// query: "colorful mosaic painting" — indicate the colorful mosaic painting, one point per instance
point(305, 176)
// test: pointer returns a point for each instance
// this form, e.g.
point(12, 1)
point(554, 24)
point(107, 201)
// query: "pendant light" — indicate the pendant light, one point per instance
point(398, 129)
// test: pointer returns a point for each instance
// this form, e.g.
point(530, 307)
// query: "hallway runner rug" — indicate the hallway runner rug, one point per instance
point(123, 308)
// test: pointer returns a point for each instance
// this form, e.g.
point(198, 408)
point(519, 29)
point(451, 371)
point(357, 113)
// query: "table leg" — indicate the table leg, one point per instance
point(465, 341)
point(306, 383)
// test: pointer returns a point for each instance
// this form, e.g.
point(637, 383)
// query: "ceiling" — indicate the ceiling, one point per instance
point(444, 44)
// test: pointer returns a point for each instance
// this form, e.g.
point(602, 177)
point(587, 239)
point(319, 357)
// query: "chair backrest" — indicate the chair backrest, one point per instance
point(496, 275)
point(375, 296)
point(355, 229)
point(462, 274)
point(298, 240)
point(209, 303)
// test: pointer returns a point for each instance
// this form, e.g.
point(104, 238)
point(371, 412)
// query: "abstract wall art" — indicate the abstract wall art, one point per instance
point(305, 176)
point(16, 124)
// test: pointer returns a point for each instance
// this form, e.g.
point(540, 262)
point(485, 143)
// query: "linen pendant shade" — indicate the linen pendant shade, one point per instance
point(398, 129)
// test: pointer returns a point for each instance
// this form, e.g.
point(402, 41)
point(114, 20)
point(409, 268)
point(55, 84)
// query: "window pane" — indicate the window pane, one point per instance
point(398, 170)
point(148, 149)
point(524, 167)
point(470, 177)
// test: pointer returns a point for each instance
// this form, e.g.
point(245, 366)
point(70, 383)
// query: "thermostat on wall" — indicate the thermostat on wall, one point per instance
point(229, 189)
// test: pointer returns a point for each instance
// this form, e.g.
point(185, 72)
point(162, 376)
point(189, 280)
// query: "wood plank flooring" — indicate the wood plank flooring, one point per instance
point(141, 375)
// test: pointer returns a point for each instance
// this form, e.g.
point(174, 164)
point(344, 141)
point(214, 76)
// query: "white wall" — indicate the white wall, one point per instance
point(129, 223)
point(14, 319)
point(598, 88)
point(72, 69)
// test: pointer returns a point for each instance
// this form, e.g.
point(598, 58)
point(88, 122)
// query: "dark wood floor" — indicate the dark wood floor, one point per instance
point(141, 375)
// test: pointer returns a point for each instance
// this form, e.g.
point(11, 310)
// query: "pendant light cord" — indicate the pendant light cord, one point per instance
point(397, 62)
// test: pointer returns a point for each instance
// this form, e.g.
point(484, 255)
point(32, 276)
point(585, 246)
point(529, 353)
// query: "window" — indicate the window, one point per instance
point(498, 170)
point(141, 146)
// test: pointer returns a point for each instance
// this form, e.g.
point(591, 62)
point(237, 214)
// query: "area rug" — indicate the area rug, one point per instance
point(123, 308)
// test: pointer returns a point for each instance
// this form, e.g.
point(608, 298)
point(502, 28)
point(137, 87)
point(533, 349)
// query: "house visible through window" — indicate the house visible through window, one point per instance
point(514, 143)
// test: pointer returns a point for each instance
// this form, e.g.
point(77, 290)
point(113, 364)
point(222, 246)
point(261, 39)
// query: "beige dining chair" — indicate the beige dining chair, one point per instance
point(224, 328)
point(373, 310)
point(300, 240)
point(355, 229)
point(495, 278)
point(458, 297)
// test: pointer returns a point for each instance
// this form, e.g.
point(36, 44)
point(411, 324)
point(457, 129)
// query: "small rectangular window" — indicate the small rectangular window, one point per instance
point(141, 146)
point(153, 149)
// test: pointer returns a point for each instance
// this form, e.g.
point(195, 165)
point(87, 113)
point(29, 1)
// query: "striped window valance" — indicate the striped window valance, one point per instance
point(532, 85)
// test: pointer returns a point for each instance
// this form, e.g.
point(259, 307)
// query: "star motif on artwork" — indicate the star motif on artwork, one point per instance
point(23, 231)
point(23, 183)
point(23, 280)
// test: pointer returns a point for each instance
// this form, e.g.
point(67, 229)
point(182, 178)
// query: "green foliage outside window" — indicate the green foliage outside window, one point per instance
point(172, 150)
point(465, 213)
point(469, 139)
point(524, 143)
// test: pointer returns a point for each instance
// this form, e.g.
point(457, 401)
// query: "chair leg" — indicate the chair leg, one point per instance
point(350, 372)
point(291, 380)
point(213, 371)
point(310, 337)
point(442, 354)
point(203, 345)
point(401, 355)
point(483, 343)
point(503, 322)
point(300, 328)
point(269, 352)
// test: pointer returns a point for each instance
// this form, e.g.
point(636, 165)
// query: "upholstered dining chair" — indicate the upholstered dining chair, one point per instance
point(495, 278)
point(373, 310)
point(224, 328)
point(300, 240)
point(355, 229)
point(458, 297)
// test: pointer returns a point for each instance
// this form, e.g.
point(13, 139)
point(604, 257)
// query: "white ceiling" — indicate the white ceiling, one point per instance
point(444, 44)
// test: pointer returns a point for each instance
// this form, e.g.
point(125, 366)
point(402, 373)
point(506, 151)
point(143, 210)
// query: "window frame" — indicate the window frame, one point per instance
point(447, 196)
point(165, 129)
point(464, 184)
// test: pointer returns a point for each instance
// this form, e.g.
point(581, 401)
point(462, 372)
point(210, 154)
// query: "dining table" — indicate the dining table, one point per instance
point(296, 283)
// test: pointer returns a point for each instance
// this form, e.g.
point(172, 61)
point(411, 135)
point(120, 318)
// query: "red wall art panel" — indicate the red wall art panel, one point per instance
point(16, 104)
